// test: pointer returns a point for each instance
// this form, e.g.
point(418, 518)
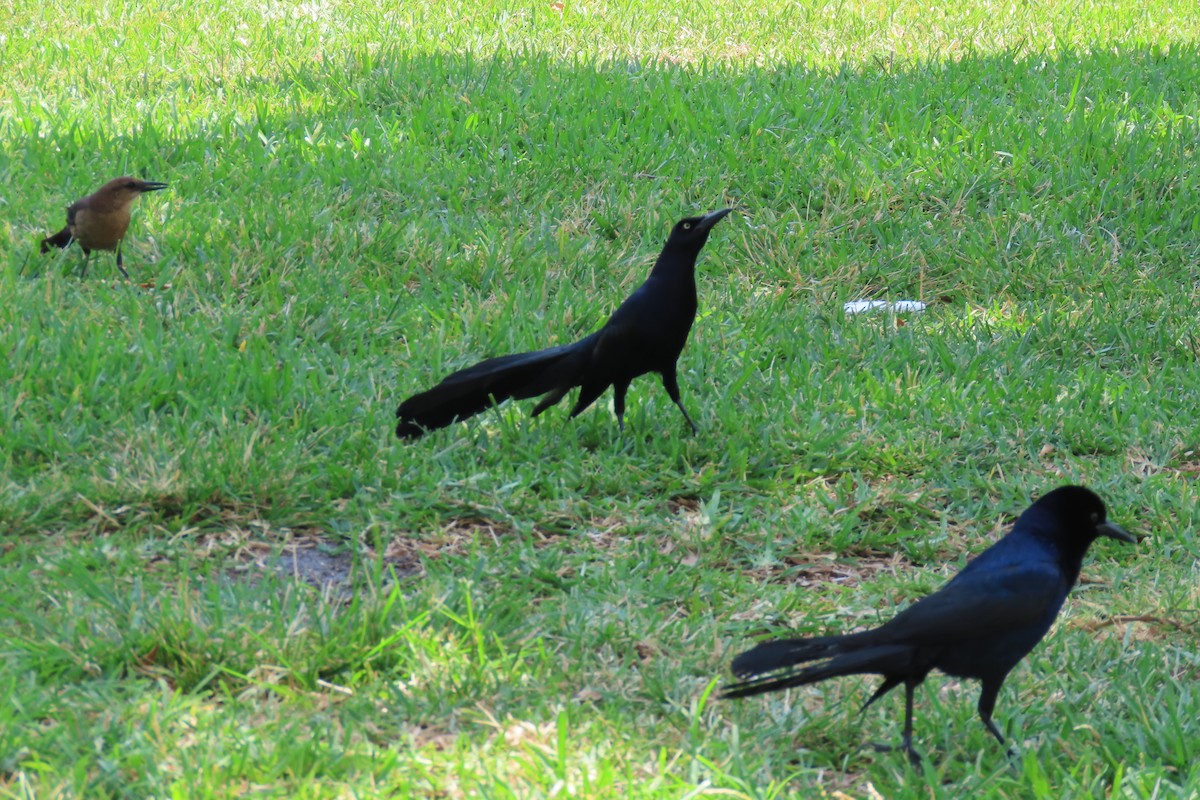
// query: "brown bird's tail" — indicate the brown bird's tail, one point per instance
point(59, 240)
point(552, 372)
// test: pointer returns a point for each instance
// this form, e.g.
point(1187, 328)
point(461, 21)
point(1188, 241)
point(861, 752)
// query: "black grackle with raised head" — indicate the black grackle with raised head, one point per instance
point(646, 333)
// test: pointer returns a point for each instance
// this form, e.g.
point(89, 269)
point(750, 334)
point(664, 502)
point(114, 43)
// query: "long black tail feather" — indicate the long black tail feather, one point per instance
point(469, 391)
point(832, 662)
point(779, 653)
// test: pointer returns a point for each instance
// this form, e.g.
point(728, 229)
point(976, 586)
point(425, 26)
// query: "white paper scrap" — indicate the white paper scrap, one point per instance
point(895, 306)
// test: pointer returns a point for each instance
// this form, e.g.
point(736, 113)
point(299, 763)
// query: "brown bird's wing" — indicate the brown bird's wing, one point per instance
point(63, 237)
point(72, 210)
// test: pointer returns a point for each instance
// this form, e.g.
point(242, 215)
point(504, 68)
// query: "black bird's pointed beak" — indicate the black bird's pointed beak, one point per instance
point(1114, 531)
point(708, 220)
point(152, 186)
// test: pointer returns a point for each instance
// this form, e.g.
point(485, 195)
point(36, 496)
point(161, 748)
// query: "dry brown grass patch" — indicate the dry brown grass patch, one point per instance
point(1137, 627)
point(825, 568)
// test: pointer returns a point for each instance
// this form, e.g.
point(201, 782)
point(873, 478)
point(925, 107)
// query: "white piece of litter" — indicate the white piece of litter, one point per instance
point(895, 306)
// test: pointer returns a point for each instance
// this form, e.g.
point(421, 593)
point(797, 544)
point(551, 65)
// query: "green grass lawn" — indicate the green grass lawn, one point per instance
point(364, 199)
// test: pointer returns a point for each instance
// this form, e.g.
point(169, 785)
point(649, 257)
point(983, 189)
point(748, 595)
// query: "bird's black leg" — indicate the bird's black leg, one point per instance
point(119, 266)
point(671, 384)
point(619, 390)
point(87, 255)
point(987, 704)
point(913, 756)
point(550, 399)
point(588, 392)
point(906, 743)
point(884, 688)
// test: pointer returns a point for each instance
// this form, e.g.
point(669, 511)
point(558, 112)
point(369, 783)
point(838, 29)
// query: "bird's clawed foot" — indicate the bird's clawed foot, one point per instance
point(914, 757)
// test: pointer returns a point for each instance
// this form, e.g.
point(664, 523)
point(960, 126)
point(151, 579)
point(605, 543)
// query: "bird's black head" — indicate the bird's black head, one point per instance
point(692, 233)
point(1079, 517)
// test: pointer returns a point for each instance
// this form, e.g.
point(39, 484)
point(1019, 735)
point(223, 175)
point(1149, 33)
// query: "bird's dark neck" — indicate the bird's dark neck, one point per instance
point(1069, 551)
point(675, 266)
point(1070, 568)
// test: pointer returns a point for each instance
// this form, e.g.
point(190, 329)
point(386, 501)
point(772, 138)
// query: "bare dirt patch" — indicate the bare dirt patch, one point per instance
point(320, 569)
point(328, 563)
point(310, 556)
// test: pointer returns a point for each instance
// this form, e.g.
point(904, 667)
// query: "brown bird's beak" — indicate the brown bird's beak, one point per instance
point(1114, 531)
point(708, 220)
point(152, 186)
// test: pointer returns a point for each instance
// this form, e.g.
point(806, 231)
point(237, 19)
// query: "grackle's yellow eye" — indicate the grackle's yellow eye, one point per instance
point(687, 226)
